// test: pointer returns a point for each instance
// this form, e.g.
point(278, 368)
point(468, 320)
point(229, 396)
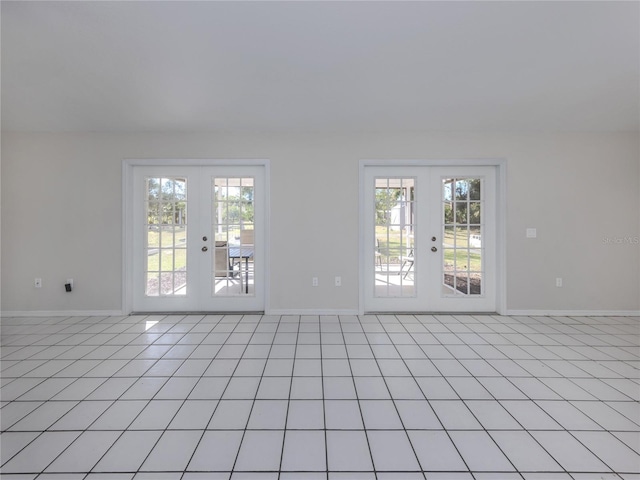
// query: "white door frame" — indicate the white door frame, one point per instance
point(501, 216)
point(128, 166)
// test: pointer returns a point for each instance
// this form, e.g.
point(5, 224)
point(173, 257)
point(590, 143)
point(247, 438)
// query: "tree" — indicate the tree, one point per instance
point(386, 199)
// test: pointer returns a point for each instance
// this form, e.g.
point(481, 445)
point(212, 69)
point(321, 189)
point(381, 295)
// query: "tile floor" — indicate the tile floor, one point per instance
point(333, 398)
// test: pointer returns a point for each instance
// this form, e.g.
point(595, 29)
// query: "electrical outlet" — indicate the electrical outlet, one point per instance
point(558, 282)
point(38, 283)
point(338, 281)
point(532, 233)
point(314, 282)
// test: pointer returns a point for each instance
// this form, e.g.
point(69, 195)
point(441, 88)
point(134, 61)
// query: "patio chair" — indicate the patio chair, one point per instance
point(247, 238)
point(408, 259)
point(378, 254)
point(221, 259)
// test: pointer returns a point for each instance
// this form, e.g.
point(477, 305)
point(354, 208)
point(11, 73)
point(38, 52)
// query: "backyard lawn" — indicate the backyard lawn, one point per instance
point(167, 249)
point(396, 244)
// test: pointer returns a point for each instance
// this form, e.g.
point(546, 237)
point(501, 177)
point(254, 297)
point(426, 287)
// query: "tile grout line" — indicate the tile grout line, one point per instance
point(132, 421)
point(204, 430)
point(395, 406)
point(563, 356)
point(286, 418)
point(353, 379)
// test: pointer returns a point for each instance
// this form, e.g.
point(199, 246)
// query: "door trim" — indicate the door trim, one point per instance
point(501, 215)
point(128, 166)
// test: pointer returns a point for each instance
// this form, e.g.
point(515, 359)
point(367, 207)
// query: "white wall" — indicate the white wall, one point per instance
point(61, 213)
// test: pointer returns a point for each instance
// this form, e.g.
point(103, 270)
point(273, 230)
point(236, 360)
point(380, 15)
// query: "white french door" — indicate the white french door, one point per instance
point(198, 238)
point(429, 239)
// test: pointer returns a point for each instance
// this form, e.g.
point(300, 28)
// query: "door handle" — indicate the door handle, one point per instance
point(204, 249)
point(434, 249)
point(433, 239)
point(204, 239)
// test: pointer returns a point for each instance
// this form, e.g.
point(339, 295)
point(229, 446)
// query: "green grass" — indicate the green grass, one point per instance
point(172, 255)
point(395, 246)
point(167, 236)
point(172, 243)
point(472, 262)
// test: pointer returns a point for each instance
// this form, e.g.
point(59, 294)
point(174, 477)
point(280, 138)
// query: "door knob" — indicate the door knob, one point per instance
point(204, 249)
point(204, 239)
point(434, 249)
point(433, 239)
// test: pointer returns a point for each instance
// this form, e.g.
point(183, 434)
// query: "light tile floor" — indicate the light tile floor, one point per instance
point(393, 397)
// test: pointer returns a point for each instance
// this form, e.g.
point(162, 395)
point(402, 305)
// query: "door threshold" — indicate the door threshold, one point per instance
point(431, 313)
point(201, 313)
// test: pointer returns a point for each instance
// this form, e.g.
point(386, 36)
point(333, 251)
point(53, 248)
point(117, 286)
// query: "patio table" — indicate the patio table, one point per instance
point(240, 253)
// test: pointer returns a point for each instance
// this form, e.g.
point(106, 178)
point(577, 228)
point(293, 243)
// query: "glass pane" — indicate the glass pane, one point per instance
point(447, 189)
point(180, 283)
point(166, 283)
point(180, 237)
point(475, 213)
point(462, 190)
point(180, 259)
point(247, 235)
point(153, 189)
point(449, 259)
point(221, 233)
point(475, 283)
point(461, 260)
point(394, 236)
point(233, 226)
point(474, 188)
point(180, 189)
point(152, 284)
point(449, 238)
point(462, 250)
point(461, 236)
point(461, 283)
point(475, 237)
point(153, 238)
point(166, 260)
point(153, 259)
point(221, 259)
point(167, 193)
point(448, 212)
point(475, 260)
point(153, 213)
point(461, 213)
point(166, 236)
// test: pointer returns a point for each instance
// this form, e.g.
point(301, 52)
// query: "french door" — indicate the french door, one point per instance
point(198, 238)
point(429, 239)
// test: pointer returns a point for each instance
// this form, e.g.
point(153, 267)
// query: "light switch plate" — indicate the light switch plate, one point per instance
point(532, 233)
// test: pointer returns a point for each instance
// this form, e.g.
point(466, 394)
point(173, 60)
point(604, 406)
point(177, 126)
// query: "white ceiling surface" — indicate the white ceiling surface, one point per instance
point(320, 66)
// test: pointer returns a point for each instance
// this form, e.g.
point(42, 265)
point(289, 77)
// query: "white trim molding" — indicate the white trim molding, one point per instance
point(62, 313)
point(510, 313)
point(127, 214)
point(311, 311)
point(500, 165)
point(573, 313)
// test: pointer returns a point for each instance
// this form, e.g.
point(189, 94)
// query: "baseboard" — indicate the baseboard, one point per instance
point(312, 311)
point(61, 313)
point(574, 313)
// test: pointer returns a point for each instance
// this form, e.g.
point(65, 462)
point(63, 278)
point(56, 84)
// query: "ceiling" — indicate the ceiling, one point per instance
point(320, 66)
